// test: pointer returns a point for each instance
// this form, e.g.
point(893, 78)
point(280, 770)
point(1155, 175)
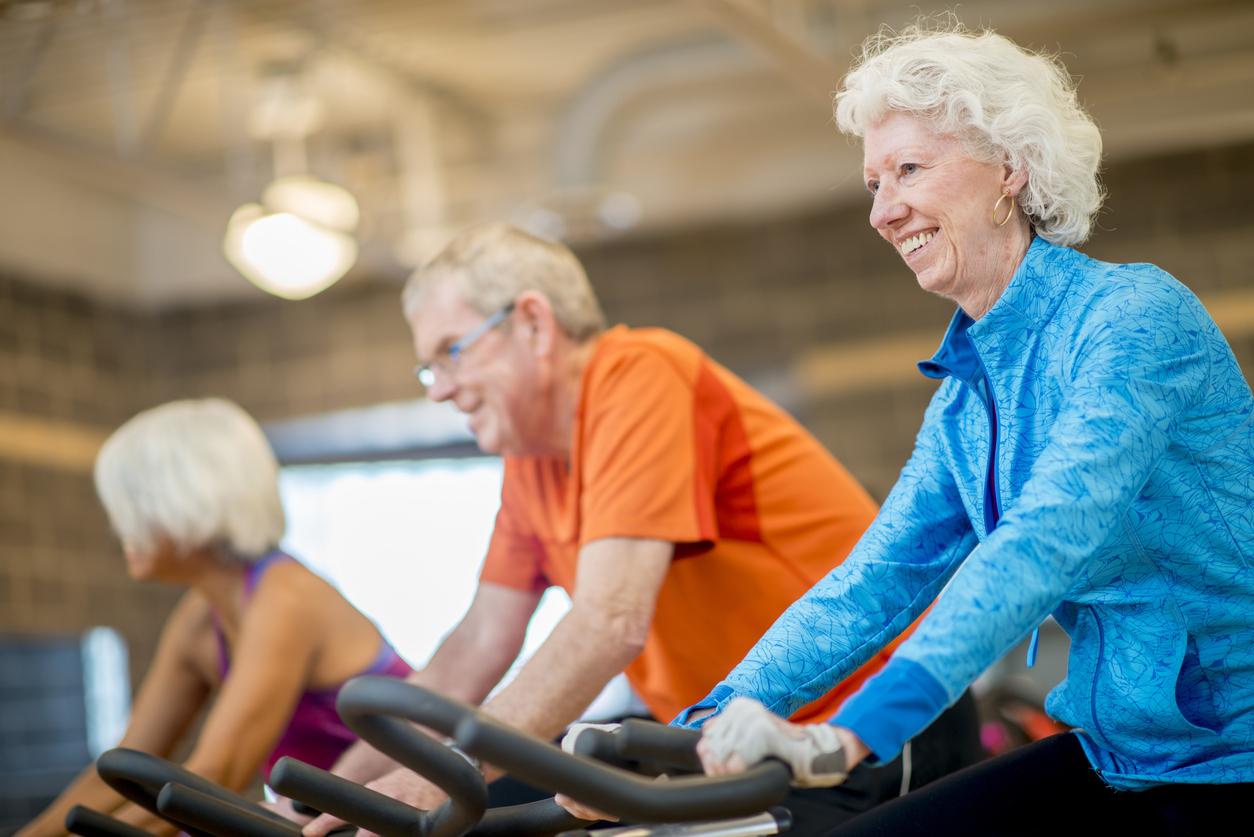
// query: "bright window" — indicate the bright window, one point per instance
point(404, 542)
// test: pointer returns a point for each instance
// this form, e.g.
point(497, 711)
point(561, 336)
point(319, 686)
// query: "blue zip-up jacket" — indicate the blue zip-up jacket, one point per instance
point(1120, 498)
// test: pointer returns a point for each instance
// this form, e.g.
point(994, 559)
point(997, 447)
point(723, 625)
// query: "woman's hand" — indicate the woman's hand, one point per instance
point(819, 755)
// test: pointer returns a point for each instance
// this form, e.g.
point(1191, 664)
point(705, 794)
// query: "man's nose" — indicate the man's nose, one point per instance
point(442, 386)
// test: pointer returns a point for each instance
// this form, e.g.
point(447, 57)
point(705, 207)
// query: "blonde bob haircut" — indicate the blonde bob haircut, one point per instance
point(197, 472)
point(492, 264)
point(1003, 103)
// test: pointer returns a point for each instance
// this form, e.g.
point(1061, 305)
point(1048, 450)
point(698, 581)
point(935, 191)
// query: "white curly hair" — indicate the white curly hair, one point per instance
point(1003, 102)
point(197, 472)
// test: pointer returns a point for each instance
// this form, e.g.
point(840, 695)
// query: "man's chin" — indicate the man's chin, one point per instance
point(488, 444)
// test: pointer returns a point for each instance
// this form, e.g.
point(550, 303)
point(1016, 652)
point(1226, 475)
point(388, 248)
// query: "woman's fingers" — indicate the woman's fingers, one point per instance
point(715, 764)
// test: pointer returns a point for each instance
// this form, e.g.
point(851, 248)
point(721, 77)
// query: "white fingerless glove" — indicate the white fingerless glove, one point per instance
point(750, 730)
point(572, 734)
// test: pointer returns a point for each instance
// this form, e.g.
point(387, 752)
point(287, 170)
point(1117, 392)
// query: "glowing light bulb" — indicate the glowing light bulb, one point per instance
point(286, 255)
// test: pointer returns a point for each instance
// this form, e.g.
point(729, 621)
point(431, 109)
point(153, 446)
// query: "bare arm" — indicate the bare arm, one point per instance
point(468, 664)
point(616, 592)
point(172, 692)
point(283, 631)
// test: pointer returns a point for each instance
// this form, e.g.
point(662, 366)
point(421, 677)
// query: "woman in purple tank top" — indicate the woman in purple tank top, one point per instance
point(191, 488)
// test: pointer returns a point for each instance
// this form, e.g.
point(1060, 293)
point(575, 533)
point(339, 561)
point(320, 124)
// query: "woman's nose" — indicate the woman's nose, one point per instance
point(887, 208)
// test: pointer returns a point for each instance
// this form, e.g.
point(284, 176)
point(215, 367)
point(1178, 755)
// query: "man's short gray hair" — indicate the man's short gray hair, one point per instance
point(197, 472)
point(1004, 103)
point(492, 264)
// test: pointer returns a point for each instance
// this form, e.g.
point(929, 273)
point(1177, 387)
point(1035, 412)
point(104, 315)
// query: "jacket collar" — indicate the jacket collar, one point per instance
point(1029, 301)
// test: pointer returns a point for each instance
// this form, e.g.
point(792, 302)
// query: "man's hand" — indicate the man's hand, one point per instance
point(820, 755)
point(578, 809)
point(283, 807)
point(582, 811)
point(402, 784)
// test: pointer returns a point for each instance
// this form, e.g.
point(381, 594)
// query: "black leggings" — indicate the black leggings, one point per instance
point(1049, 788)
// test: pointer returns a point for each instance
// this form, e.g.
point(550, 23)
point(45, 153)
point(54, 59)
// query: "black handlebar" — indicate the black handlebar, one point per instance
point(643, 747)
point(618, 792)
point(211, 814)
point(531, 819)
point(88, 823)
point(140, 777)
point(648, 741)
point(372, 708)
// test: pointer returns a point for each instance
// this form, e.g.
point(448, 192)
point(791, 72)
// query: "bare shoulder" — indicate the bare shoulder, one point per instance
point(290, 583)
point(294, 595)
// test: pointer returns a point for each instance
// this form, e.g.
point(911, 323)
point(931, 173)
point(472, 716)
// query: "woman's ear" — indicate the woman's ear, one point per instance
point(1013, 180)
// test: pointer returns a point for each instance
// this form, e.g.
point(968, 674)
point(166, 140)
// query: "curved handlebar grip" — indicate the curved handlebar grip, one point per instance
point(219, 818)
point(349, 801)
point(641, 740)
point(140, 777)
point(88, 823)
point(602, 745)
point(616, 791)
point(532, 819)
point(372, 708)
point(389, 696)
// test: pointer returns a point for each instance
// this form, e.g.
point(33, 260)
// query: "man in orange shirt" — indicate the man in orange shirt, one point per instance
point(681, 510)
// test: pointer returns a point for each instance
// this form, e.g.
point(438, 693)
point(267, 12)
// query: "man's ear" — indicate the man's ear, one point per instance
point(534, 314)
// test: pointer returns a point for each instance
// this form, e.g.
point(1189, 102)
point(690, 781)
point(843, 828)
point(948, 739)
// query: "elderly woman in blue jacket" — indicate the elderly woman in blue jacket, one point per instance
point(1092, 436)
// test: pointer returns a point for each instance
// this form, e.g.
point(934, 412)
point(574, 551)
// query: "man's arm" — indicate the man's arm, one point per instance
point(616, 590)
point(468, 664)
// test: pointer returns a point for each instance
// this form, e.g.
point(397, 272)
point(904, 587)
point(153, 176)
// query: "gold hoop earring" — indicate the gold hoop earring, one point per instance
point(1008, 214)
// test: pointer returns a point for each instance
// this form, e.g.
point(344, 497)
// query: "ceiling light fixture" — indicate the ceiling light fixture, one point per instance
point(298, 240)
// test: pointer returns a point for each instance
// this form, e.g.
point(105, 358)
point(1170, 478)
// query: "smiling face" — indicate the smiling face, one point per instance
point(934, 204)
point(497, 380)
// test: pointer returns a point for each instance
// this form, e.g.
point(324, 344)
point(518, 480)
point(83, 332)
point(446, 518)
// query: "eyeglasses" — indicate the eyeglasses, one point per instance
point(447, 360)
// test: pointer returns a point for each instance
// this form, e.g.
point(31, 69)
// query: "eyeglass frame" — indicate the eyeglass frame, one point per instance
point(425, 372)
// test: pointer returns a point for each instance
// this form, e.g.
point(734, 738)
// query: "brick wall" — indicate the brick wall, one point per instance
point(348, 347)
point(64, 359)
point(755, 296)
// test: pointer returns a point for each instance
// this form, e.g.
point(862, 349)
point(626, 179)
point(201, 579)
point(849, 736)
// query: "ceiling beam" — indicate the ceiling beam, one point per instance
point(342, 39)
point(812, 72)
point(17, 102)
point(140, 178)
point(172, 81)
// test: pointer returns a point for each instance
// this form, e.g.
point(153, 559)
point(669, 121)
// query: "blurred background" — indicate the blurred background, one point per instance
point(159, 159)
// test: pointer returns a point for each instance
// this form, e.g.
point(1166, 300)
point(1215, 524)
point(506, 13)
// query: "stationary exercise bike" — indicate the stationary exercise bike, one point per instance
point(645, 774)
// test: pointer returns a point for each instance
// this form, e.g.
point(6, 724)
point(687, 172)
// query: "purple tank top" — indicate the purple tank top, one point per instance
point(315, 734)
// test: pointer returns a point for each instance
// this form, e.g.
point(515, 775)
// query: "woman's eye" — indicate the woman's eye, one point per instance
point(909, 168)
point(873, 186)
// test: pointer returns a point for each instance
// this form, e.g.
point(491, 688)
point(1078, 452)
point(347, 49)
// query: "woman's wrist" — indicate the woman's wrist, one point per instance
point(855, 750)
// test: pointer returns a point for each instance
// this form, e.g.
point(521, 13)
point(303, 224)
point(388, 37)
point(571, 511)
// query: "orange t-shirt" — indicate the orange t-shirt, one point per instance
point(671, 446)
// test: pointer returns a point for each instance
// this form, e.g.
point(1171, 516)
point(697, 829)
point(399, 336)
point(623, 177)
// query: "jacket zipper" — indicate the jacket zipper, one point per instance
point(1101, 648)
point(990, 477)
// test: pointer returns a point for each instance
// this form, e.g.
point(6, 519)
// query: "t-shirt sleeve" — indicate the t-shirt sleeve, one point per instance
point(515, 556)
point(639, 461)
